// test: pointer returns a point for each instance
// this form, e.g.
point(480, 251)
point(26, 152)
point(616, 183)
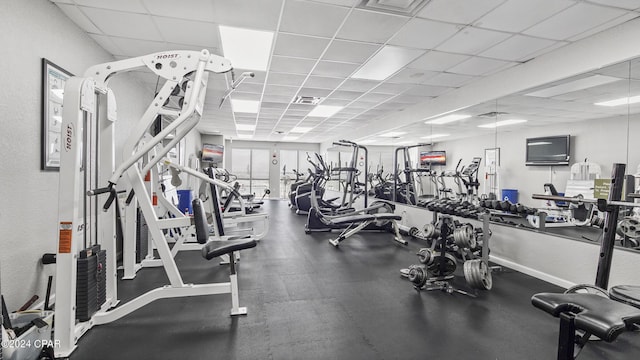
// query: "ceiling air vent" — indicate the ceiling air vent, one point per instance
point(401, 7)
point(492, 114)
point(306, 100)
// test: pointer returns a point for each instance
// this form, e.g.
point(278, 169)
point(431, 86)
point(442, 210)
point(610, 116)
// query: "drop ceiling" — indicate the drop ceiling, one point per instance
point(319, 45)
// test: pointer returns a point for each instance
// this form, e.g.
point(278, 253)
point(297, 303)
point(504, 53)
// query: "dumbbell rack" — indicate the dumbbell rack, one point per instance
point(477, 271)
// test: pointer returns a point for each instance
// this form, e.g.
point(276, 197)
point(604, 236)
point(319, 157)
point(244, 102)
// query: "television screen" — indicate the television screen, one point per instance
point(212, 153)
point(433, 158)
point(550, 150)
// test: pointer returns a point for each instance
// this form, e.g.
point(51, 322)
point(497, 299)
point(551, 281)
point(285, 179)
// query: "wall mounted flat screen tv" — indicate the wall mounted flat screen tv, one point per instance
point(212, 153)
point(433, 158)
point(548, 151)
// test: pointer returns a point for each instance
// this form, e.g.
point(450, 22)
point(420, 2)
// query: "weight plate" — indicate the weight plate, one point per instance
point(425, 256)
point(417, 275)
point(450, 265)
point(478, 274)
point(629, 227)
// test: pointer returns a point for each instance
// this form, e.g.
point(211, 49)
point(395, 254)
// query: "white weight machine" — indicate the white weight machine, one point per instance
point(87, 162)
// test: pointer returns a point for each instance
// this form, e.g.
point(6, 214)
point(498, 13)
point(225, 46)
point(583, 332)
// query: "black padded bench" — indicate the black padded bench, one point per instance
point(211, 250)
point(594, 314)
point(626, 294)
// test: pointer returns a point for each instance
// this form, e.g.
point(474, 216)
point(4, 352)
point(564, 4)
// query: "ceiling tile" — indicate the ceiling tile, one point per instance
point(391, 88)
point(285, 79)
point(281, 90)
point(457, 11)
point(189, 32)
point(74, 13)
point(307, 91)
point(625, 4)
point(517, 15)
point(358, 85)
point(517, 47)
point(309, 18)
point(374, 97)
point(423, 34)
point(411, 76)
point(276, 98)
point(447, 79)
point(270, 107)
point(348, 3)
point(323, 82)
point(370, 26)
point(251, 88)
point(201, 10)
point(132, 47)
point(245, 96)
point(123, 24)
point(253, 14)
point(350, 51)
point(427, 90)
point(106, 43)
point(335, 69)
point(609, 24)
point(478, 66)
point(573, 21)
point(472, 41)
point(121, 5)
point(437, 61)
point(291, 65)
point(300, 46)
point(345, 95)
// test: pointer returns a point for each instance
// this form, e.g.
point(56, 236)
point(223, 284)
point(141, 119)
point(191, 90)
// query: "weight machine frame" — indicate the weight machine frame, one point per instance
point(87, 159)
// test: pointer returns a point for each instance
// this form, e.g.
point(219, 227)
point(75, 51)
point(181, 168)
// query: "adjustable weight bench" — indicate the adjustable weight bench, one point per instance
point(213, 249)
point(364, 220)
point(593, 314)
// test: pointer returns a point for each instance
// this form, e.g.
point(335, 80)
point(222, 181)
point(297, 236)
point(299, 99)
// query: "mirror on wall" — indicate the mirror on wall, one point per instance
point(594, 115)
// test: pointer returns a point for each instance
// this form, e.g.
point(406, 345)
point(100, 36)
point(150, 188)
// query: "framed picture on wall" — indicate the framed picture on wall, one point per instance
point(53, 80)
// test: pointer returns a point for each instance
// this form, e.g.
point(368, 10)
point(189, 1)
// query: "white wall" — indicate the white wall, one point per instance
point(603, 141)
point(33, 29)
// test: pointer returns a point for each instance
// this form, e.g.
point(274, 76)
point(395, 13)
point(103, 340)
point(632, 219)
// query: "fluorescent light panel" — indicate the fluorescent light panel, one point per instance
point(392, 134)
point(324, 111)
point(447, 119)
point(245, 127)
point(502, 123)
point(246, 49)
point(435, 136)
point(301, 129)
point(245, 106)
point(575, 85)
point(386, 62)
point(621, 101)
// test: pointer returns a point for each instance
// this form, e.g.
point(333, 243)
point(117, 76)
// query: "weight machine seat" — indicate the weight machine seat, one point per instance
point(364, 217)
point(598, 315)
point(210, 250)
point(626, 294)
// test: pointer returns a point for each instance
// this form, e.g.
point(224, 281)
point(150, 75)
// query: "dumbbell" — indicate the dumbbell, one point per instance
point(495, 204)
point(505, 205)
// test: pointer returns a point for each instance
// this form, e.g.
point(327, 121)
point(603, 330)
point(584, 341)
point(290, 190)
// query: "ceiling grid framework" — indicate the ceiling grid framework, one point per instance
point(320, 45)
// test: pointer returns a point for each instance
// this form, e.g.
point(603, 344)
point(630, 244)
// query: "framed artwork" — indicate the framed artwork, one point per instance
point(53, 80)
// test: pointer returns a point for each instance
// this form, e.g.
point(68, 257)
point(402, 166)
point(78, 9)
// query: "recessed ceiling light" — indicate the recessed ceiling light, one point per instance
point(245, 127)
point(290, 138)
point(448, 119)
point(502, 123)
point(245, 106)
point(434, 136)
point(392, 134)
point(387, 62)
point(245, 136)
point(621, 101)
point(324, 110)
point(575, 85)
point(301, 129)
point(246, 49)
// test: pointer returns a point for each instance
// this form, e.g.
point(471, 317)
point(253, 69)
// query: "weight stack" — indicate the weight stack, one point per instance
point(91, 282)
point(142, 237)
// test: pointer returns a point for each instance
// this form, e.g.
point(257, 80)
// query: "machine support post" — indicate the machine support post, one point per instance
point(611, 221)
